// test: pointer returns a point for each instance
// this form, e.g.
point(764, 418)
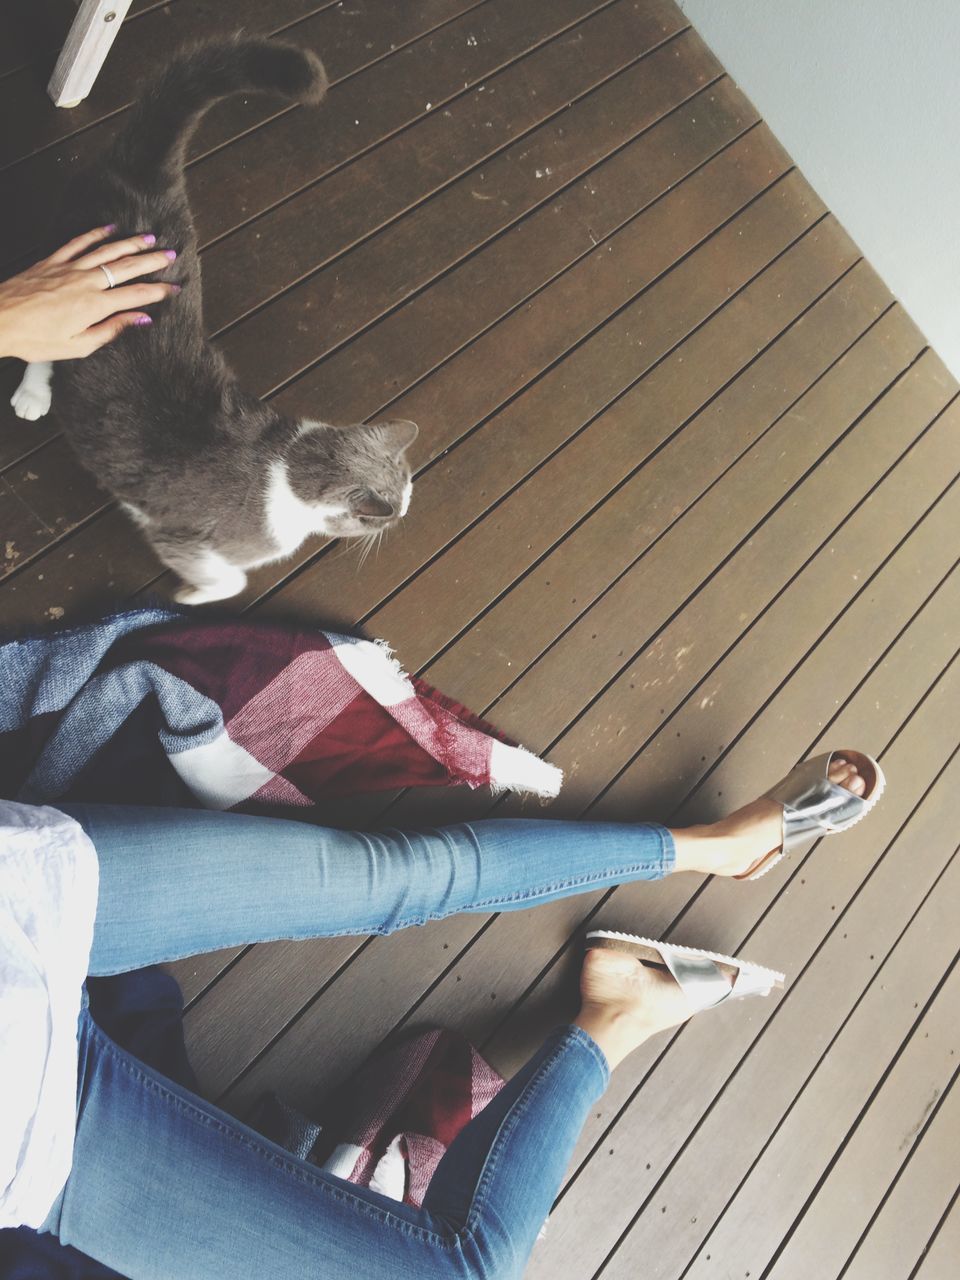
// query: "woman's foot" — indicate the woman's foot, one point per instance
point(734, 846)
point(625, 1002)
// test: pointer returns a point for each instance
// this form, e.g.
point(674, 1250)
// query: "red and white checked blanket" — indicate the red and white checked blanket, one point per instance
point(393, 1121)
point(154, 707)
point(388, 1126)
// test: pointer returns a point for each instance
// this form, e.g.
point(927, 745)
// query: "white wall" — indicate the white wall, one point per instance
point(864, 95)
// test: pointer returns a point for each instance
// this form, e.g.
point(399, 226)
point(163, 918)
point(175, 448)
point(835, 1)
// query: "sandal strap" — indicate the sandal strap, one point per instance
point(813, 805)
point(701, 981)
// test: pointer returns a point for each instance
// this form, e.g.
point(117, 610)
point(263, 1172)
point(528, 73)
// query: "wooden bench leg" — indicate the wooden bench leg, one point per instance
point(93, 32)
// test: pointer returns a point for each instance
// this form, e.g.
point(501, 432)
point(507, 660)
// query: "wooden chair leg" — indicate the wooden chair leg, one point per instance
point(93, 32)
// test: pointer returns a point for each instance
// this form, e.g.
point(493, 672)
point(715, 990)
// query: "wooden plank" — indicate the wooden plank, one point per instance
point(559, 688)
point(773, 547)
point(652, 315)
point(111, 560)
point(405, 256)
point(568, 487)
point(420, 973)
point(871, 711)
point(376, 369)
point(752, 1102)
point(385, 358)
point(196, 973)
point(307, 1067)
point(584, 134)
point(480, 95)
point(502, 645)
point(940, 1260)
point(918, 1198)
point(912, 462)
point(22, 531)
point(792, 931)
point(518, 629)
point(506, 953)
point(443, 154)
point(23, 98)
point(766, 225)
point(884, 1139)
point(221, 1035)
point(294, 986)
point(348, 38)
point(523, 271)
point(58, 492)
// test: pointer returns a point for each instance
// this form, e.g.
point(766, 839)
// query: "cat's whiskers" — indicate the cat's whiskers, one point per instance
point(366, 541)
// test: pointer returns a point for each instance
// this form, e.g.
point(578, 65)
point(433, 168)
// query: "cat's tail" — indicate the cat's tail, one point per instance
point(152, 144)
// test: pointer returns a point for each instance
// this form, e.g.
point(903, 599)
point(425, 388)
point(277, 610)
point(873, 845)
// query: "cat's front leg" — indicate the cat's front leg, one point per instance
point(207, 577)
point(31, 400)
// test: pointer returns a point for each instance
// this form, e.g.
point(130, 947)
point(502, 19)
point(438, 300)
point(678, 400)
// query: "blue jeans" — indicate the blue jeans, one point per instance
point(164, 1185)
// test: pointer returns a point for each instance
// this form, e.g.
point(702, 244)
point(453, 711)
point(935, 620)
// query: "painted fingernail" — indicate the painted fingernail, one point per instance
point(170, 254)
point(141, 320)
point(176, 287)
point(112, 227)
point(150, 239)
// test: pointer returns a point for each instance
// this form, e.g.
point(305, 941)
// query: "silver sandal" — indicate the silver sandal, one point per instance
point(703, 976)
point(813, 806)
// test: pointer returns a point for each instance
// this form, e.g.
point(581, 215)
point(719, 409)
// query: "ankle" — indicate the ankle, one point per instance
point(731, 844)
point(693, 847)
point(616, 1031)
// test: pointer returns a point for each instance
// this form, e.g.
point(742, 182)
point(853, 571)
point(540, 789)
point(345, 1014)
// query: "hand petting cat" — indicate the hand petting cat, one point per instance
point(218, 481)
point(66, 306)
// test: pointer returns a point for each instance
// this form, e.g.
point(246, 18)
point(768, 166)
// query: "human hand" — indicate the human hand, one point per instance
point(64, 307)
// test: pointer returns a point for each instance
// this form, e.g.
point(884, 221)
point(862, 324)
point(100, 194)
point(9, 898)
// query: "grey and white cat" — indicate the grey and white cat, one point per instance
point(217, 481)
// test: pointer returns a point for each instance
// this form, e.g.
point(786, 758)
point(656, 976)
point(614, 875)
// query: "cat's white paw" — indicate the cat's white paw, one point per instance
point(229, 581)
point(31, 401)
point(200, 595)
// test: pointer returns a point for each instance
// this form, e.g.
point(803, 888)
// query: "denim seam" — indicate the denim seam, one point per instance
point(528, 895)
point(572, 1035)
point(322, 1184)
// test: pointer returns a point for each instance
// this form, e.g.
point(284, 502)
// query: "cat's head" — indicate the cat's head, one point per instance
point(359, 476)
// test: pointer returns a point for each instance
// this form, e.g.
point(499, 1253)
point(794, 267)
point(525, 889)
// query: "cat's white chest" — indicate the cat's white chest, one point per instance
point(291, 520)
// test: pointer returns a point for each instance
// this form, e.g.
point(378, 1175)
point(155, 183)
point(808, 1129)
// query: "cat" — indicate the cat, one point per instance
point(217, 481)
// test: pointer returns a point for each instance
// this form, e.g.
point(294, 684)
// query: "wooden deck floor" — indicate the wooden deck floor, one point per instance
point(686, 510)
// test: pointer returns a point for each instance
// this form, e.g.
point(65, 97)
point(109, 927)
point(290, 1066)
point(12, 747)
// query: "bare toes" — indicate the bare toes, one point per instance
point(844, 773)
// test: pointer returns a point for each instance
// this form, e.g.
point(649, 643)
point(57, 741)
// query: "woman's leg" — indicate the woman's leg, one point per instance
point(165, 1185)
point(180, 882)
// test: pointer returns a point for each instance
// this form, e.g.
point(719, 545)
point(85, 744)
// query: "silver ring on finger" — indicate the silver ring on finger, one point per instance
point(111, 282)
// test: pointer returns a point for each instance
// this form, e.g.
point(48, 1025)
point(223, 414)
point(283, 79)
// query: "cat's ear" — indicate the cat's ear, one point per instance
point(367, 503)
point(397, 433)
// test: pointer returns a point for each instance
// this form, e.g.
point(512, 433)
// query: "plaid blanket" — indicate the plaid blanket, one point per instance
point(157, 707)
point(388, 1126)
point(152, 707)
